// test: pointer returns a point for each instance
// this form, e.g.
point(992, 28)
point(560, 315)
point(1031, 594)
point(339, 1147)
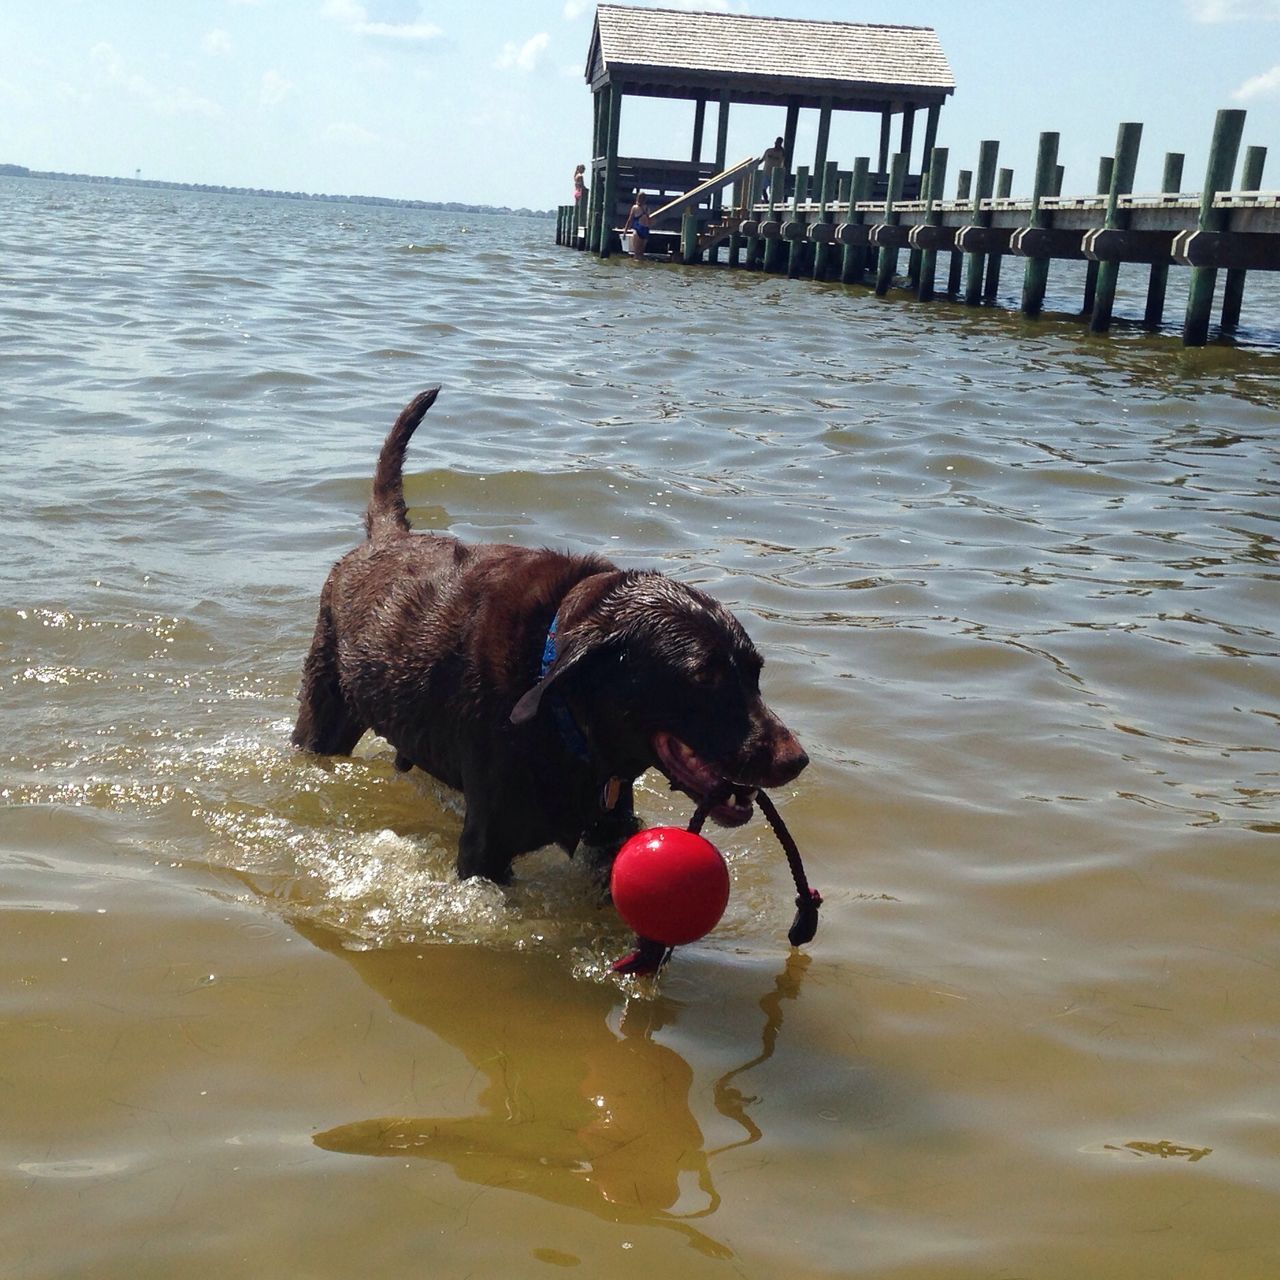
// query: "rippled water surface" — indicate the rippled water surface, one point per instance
point(1018, 593)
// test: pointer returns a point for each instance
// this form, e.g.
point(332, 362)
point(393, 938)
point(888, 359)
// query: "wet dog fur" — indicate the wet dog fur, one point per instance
point(439, 647)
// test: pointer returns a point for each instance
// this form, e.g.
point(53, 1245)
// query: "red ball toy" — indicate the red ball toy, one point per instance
point(670, 885)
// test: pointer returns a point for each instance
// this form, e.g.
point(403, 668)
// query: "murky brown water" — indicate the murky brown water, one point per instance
point(1018, 591)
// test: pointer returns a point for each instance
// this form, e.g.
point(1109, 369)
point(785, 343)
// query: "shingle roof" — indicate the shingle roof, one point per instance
point(870, 57)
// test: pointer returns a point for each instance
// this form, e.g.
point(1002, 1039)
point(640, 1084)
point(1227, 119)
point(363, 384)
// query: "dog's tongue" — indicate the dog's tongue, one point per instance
point(728, 805)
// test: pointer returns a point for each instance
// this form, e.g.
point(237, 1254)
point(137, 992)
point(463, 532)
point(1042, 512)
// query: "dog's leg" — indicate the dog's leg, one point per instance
point(610, 831)
point(326, 723)
point(480, 853)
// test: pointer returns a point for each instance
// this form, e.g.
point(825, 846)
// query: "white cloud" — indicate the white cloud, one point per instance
point(275, 88)
point(1233, 10)
point(217, 42)
point(164, 101)
point(523, 57)
point(575, 9)
point(355, 17)
point(1266, 85)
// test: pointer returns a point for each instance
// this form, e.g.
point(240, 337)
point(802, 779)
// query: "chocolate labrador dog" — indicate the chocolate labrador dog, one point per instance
point(539, 684)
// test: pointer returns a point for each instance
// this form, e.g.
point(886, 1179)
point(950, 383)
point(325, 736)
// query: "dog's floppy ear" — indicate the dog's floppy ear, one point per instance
point(529, 703)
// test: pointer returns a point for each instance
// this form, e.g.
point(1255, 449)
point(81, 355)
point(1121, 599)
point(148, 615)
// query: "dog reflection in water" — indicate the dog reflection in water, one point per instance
point(573, 1112)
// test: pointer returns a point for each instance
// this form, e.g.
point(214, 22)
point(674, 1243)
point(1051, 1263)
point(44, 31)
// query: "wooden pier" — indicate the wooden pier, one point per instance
point(853, 225)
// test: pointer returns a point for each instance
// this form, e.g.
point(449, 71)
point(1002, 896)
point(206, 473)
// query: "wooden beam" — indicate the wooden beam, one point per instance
point(1045, 243)
point(1236, 250)
point(1119, 244)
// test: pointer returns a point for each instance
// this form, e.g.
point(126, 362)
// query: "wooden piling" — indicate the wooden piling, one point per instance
point(888, 262)
point(722, 144)
point(773, 244)
point(1128, 140)
point(1255, 159)
point(1035, 279)
point(689, 251)
point(929, 257)
point(795, 258)
point(1004, 188)
point(1106, 166)
point(1157, 284)
point(853, 265)
point(610, 201)
point(826, 193)
point(983, 190)
point(964, 182)
point(1227, 132)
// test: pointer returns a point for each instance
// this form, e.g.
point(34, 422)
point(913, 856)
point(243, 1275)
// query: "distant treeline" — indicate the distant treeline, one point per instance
point(448, 206)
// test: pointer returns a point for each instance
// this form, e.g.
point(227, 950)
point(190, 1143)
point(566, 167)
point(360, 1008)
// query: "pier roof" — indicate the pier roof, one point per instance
point(677, 54)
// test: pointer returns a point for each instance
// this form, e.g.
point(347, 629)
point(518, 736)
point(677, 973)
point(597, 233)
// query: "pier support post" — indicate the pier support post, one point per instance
point(826, 193)
point(824, 139)
point(930, 135)
point(1157, 284)
point(888, 264)
point(599, 142)
point(773, 244)
point(789, 136)
point(1255, 158)
point(689, 251)
point(964, 181)
point(1004, 188)
point(1227, 132)
point(795, 259)
point(699, 120)
point(929, 258)
point(1106, 166)
point(722, 146)
point(853, 266)
point(610, 199)
point(1127, 142)
point(983, 190)
point(1036, 277)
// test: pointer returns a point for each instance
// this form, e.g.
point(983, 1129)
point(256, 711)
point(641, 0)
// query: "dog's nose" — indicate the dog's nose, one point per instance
point(789, 761)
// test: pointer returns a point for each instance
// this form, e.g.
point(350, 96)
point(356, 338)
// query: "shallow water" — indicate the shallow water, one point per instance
point(1017, 588)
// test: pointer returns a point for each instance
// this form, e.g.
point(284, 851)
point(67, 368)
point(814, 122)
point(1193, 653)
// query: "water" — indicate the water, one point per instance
point(1017, 589)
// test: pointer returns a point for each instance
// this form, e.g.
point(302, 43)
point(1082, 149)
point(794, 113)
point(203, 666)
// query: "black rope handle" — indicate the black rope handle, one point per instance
point(808, 900)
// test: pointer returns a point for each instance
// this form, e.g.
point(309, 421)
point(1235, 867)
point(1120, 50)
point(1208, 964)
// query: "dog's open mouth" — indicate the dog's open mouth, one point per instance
point(688, 772)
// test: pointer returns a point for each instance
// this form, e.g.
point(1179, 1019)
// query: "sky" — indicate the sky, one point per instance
point(484, 101)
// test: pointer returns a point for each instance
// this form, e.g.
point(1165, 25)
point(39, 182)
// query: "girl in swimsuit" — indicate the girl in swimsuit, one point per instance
point(637, 224)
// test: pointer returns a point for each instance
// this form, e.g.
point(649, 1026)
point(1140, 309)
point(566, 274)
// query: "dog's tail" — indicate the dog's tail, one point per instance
point(386, 511)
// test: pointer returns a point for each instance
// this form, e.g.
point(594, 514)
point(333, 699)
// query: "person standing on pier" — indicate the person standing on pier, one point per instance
point(637, 224)
point(774, 158)
point(579, 183)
